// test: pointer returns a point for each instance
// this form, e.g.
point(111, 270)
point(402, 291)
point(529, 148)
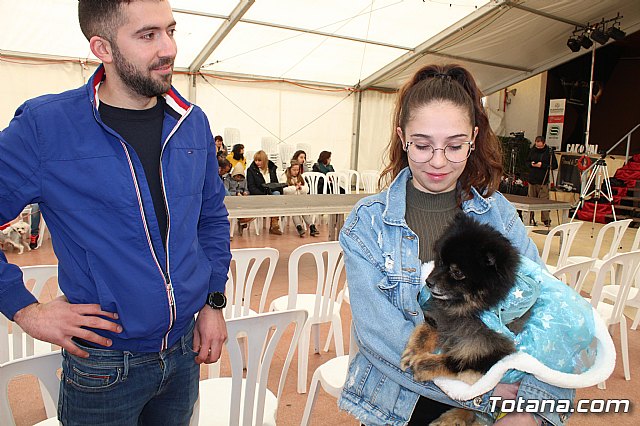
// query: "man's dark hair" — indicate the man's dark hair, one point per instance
point(218, 138)
point(101, 17)
point(539, 138)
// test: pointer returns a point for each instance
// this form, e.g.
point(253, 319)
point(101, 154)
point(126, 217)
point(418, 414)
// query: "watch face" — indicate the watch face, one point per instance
point(217, 300)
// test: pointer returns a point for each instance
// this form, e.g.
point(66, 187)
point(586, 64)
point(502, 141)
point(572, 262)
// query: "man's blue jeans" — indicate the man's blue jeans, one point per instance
point(127, 389)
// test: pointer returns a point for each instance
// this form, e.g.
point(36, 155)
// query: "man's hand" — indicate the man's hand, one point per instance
point(209, 335)
point(58, 321)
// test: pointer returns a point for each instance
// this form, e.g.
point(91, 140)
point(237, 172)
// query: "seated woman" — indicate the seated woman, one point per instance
point(237, 156)
point(324, 166)
point(263, 171)
point(301, 157)
point(297, 186)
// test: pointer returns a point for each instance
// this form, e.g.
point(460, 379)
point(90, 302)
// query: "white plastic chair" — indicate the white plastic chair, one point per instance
point(256, 226)
point(45, 368)
point(323, 306)
point(567, 233)
point(351, 174)
point(240, 400)
point(269, 144)
point(312, 179)
point(19, 344)
point(370, 181)
point(245, 264)
point(617, 228)
point(575, 274)
point(610, 292)
point(332, 374)
point(337, 180)
point(626, 266)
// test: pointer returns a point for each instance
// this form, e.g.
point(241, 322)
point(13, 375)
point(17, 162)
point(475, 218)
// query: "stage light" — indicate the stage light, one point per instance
point(573, 44)
point(600, 36)
point(616, 33)
point(584, 41)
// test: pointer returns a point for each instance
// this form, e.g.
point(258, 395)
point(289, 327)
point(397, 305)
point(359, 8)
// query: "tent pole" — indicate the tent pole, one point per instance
point(593, 62)
point(355, 141)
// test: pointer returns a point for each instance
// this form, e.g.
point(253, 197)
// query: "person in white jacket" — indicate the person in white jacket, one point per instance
point(297, 186)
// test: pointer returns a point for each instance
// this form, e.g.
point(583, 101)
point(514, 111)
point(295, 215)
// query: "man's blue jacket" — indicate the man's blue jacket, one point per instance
point(94, 197)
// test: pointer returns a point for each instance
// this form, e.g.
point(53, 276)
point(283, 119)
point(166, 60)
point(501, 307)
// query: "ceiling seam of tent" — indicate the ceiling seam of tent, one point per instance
point(394, 68)
point(221, 33)
point(301, 31)
point(364, 48)
point(264, 127)
point(347, 21)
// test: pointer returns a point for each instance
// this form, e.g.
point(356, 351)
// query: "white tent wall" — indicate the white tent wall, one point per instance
point(375, 129)
point(524, 110)
point(23, 81)
point(291, 114)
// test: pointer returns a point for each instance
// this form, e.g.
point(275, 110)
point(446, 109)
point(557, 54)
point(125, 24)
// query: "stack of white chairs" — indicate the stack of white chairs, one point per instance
point(286, 151)
point(231, 137)
point(269, 145)
point(567, 233)
point(323, 305)
point(370, 181)
point(243, 398)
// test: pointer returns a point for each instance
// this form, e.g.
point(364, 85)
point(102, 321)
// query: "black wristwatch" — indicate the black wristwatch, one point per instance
point(217, 300)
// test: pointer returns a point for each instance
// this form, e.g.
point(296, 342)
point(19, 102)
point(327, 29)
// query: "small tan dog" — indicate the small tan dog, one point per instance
point(16, 235)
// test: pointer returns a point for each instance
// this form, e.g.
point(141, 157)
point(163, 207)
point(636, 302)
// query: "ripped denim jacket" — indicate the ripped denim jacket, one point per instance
point(383, 271)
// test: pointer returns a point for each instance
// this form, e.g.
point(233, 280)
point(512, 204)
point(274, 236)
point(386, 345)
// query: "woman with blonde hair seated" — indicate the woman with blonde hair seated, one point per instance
point(260, 174)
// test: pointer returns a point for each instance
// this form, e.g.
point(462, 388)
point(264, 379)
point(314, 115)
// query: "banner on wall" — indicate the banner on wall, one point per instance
point(555, 122)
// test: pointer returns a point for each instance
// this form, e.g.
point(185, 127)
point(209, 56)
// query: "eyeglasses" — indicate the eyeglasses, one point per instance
point(454, 152)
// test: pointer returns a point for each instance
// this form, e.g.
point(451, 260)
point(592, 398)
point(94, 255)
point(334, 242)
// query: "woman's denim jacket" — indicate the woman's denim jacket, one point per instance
point(383, 271)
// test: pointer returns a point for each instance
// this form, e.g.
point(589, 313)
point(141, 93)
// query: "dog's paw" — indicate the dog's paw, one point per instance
point(456, 417)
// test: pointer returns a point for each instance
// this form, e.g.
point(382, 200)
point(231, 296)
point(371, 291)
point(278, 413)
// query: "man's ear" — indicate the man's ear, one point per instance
point(101, 47)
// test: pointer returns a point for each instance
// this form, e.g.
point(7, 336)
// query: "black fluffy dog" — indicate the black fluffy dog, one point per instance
point(474, 269)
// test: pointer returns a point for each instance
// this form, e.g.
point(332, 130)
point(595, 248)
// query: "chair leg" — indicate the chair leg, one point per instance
point(311, 399)
point(337, 336)
point(330, 336)
point(624, 347)
point(303, 358)
point(634, 326)
point(315, 330)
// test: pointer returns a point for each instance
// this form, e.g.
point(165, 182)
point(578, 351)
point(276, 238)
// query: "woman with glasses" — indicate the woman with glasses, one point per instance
point(443, 159)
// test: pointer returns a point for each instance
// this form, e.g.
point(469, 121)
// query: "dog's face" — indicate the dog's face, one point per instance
point(21, 228)
point(474, 268)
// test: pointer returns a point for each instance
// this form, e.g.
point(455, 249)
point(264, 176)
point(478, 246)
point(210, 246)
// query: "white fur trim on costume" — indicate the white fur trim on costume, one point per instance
point(425, 270)
point(600, 370)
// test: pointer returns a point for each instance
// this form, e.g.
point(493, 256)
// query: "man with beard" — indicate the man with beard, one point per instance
point(124, 176)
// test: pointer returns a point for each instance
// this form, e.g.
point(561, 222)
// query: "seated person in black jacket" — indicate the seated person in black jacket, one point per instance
point(262, 171)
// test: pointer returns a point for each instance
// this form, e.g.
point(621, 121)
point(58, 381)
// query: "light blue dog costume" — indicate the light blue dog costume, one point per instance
point(564, 342)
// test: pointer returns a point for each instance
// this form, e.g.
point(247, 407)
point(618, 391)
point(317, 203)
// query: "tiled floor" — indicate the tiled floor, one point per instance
point(29, 410)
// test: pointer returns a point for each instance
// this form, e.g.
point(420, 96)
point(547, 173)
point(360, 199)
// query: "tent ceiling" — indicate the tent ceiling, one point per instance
point(360, 42)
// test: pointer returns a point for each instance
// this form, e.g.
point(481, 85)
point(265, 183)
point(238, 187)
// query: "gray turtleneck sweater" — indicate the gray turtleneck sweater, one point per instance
point(428, 215)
